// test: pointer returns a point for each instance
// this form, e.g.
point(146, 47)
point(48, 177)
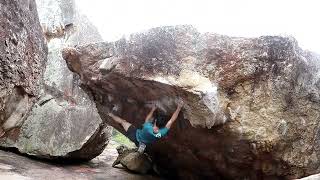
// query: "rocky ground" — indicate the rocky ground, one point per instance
point(14, 166)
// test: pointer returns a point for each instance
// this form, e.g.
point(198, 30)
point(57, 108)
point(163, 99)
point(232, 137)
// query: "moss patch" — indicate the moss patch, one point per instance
point(121, 139)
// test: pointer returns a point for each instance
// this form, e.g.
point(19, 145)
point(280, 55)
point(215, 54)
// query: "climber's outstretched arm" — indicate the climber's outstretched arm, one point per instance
point(149, 116)
point(174, 115)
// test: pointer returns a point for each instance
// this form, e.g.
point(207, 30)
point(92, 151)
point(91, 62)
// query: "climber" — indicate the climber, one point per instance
point(152, 130)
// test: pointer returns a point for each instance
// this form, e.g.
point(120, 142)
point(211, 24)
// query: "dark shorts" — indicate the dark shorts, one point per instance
point(131, 134)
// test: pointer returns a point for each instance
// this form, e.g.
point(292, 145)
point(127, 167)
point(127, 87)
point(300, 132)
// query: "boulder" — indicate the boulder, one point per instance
point(64, 122)
point(23, 54)
point(251, 104)
point(133, 160)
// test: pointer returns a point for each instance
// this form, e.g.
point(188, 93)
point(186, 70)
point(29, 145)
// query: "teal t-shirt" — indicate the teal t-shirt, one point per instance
point(146, 135)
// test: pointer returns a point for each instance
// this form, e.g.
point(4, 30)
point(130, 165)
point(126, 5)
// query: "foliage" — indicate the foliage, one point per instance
point(121, 139)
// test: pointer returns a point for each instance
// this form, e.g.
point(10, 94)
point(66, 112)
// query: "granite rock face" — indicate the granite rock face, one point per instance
point(23, 54)
point(251, 104)
point(64, 122)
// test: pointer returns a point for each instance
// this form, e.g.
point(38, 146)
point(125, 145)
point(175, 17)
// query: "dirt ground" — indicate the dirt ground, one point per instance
point(17, 167)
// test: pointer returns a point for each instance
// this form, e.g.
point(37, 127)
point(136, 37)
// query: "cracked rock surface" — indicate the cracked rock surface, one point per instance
point(251, 104)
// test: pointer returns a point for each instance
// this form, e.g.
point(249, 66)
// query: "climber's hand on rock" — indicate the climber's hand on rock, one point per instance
point(153, 106)
point(180, 103)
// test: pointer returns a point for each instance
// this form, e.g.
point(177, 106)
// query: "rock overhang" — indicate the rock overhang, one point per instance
point(243, 91)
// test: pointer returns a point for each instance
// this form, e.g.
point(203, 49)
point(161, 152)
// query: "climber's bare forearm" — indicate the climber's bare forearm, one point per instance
point(149, 116)
point(173, 117)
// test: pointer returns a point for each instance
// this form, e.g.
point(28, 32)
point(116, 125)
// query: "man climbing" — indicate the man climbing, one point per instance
point(152, 130)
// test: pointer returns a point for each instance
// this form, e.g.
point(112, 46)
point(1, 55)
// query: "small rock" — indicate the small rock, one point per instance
point(132, 160)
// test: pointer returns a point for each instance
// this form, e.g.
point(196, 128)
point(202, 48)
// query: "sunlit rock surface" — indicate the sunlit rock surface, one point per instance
point(251, 104)
point(64, 122)
point(312, 177)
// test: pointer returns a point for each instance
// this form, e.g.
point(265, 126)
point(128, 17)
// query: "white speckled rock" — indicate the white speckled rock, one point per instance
point(312, 177)
point(64, 123)
point(23, 55)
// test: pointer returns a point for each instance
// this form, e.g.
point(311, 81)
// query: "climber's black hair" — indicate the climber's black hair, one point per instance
point(160, 120)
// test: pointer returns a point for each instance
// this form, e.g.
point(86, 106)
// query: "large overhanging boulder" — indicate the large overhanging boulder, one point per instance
point(251, 104)
point(64, 122)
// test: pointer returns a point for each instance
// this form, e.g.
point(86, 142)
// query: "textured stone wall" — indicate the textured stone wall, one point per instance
point(64, 122)
point(23, 55)
point(251, 104)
